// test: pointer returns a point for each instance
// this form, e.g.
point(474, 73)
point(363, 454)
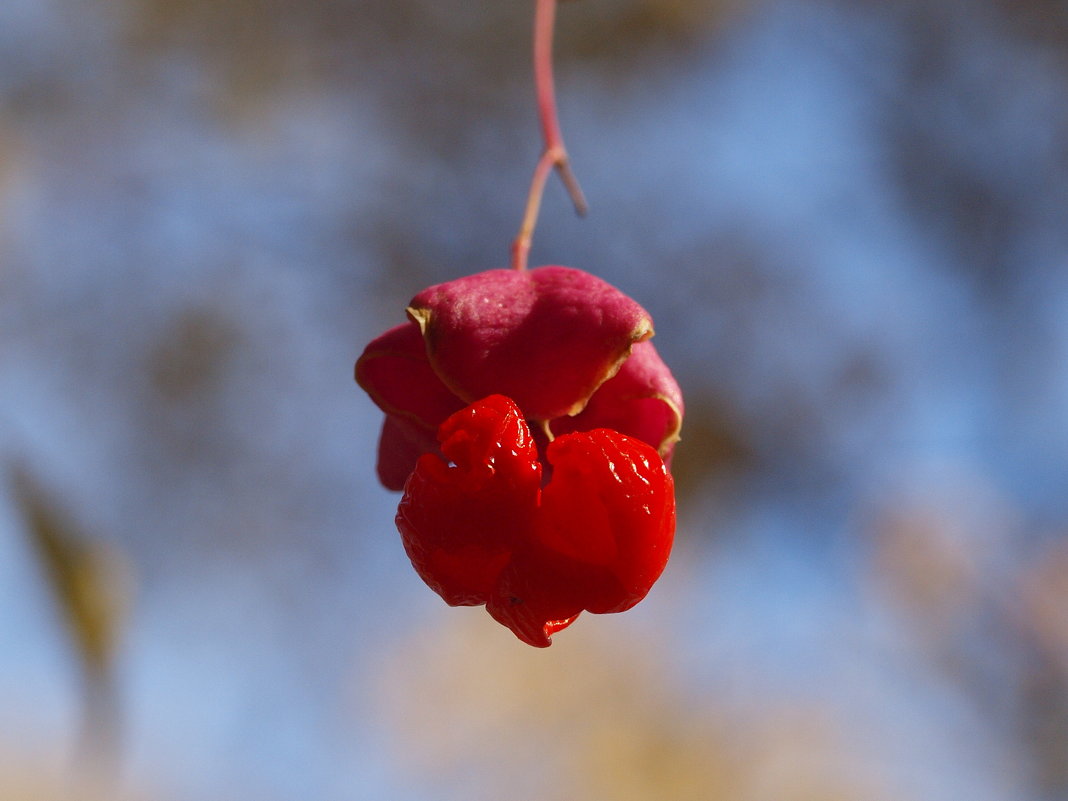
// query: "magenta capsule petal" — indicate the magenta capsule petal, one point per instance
point(547, 337)
point(395, 372)
point(642, 400)
point(399, 448)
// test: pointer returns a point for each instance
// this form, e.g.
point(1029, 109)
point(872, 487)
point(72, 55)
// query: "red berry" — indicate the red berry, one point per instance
point(461, 521)
point(483, 530)
point(611, 506)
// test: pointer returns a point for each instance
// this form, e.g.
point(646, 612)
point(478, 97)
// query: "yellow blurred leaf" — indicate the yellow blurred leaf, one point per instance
point(86, 577)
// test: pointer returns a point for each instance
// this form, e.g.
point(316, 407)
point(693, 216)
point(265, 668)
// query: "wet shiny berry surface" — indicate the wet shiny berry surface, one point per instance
point(480, 527)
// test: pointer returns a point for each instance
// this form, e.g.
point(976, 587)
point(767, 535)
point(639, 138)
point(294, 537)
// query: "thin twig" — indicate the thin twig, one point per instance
point(555, 154)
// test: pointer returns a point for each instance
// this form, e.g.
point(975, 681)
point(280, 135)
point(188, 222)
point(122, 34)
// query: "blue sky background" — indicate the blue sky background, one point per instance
point(848, 222)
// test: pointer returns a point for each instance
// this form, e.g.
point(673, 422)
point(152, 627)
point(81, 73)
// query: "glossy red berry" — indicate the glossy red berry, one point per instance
point(548, 495)
point(460, 521)
point(480, 528)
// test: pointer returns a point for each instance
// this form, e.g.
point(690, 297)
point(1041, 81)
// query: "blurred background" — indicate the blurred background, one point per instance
point(849, 219)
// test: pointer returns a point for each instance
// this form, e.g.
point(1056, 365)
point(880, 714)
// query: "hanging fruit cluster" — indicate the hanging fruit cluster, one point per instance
point(530, 423)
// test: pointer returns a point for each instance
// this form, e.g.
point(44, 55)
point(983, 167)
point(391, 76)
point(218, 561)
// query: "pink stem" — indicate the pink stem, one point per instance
point(554, 154)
